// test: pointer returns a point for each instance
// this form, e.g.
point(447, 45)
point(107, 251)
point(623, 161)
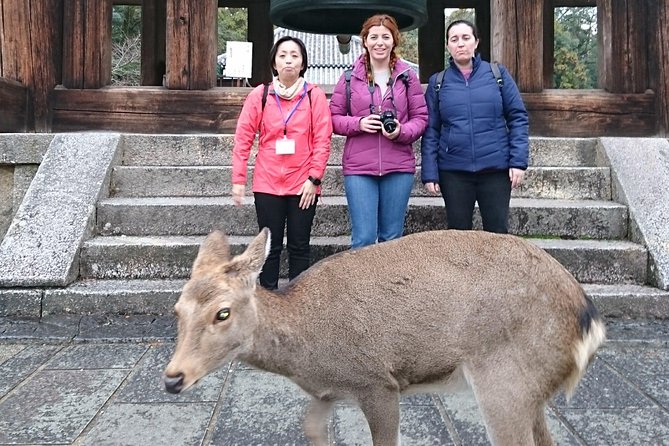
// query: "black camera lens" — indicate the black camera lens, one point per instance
point(388, 121)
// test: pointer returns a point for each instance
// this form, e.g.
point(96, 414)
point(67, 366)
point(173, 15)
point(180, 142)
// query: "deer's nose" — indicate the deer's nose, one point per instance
point(174, 384)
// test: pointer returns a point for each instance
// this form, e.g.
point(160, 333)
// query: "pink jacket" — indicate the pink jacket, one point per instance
point(372, 153)
point(310, 126)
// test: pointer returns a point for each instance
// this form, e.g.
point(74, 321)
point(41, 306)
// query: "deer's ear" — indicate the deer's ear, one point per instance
point(214, 252)
point(251, 261)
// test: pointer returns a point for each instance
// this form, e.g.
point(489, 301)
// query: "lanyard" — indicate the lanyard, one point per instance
point(290, 115)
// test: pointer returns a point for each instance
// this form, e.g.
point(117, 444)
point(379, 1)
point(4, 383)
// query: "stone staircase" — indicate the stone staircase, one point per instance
point(169, 191)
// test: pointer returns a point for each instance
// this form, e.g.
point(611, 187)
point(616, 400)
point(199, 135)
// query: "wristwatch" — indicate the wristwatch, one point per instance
point(315, 181)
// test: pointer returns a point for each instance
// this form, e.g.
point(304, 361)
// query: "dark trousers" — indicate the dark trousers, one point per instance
point(283, 214)
point(492, 191)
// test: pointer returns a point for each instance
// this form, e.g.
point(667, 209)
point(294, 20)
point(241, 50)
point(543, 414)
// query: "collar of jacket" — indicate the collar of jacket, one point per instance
point(476, 61)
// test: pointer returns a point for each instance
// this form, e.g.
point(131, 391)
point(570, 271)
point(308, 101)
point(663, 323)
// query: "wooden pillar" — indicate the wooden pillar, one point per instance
point(549, 43)
point(432, 41)
point(191, 44)
point(30, 39)
point(623, 26)
point(659, 72)
point(261, 33)
point(87, 43)
point(154, 20)
point(517, 40)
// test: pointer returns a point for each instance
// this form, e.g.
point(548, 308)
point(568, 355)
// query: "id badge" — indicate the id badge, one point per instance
point(285, 146)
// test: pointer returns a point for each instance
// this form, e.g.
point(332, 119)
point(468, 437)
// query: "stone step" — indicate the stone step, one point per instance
point(125, 257)
point(574, 183)
point(216, 150)
point(157, 297)
point(590, 219)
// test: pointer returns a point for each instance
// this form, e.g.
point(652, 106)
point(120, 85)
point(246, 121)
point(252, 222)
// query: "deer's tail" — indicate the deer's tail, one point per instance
point(592, 336)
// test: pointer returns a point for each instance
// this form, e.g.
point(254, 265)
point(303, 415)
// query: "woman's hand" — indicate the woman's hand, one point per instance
point(433, 188)
point(516, 177)
point(238, 191)
point(307, 194)
point(394, 134)
point(371, 123)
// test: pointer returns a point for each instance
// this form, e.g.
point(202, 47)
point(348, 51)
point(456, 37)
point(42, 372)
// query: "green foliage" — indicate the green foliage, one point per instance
point(575, 48)
point(232, 26)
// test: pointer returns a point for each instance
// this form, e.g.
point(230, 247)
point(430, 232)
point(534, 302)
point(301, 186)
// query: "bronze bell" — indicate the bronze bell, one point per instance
point(344, 16)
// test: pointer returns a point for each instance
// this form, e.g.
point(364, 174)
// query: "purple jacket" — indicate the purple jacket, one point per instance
point(373, 153)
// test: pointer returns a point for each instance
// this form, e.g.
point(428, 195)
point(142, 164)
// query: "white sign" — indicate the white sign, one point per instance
point(238, 60)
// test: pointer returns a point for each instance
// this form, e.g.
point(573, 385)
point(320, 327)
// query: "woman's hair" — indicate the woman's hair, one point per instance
point(475, 31)
point(390, 23)
point(275, 49)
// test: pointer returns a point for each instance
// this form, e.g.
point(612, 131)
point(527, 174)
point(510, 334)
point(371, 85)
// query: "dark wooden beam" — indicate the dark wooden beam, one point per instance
point(659, 62)
point(573, 3)
point(590, 113)
point(154, 18)
point(566, 113)
point(261, 33)
point(191, 44)
point(431, 41)
point(15, 100)
point(30, 36)
point(623, 43)
point(87, 43)
point(147, 109)
point(517, 40)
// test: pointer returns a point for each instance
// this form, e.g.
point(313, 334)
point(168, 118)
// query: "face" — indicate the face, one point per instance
point(379, 43)
point(288, 61)
point(462, 43)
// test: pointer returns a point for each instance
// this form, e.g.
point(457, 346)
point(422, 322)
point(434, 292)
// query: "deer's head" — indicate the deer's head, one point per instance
point(216, 311)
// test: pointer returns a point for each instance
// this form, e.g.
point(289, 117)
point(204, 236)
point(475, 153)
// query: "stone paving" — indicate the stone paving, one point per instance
point(97, 381)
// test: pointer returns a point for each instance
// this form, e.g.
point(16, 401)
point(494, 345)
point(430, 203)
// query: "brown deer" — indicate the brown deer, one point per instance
point(409, 315)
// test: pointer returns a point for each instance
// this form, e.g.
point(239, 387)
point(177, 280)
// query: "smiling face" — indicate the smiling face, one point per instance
point(379, 43)
point(288, 62)
point(462, 43)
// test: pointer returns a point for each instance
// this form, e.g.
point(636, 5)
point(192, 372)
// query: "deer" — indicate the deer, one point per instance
point(430, 311)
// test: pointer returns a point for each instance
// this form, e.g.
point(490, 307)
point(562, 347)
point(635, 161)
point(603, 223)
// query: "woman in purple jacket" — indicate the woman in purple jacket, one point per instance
point(381, 110)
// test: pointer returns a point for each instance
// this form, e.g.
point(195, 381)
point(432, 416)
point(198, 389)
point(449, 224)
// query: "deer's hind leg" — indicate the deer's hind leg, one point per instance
point(316, 421)
point(511, 405)
point(382, 410)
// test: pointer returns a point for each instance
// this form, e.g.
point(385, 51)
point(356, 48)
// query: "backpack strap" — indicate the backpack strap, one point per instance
point(347, 77)
point(494, 66)
point(265, 90)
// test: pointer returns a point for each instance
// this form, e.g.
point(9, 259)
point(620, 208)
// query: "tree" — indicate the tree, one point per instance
point(575, 48)
point(232, 26)
point(126, 45)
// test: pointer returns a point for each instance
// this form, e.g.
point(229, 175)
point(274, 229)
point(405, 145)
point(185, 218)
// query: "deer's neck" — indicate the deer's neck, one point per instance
point(279, 340)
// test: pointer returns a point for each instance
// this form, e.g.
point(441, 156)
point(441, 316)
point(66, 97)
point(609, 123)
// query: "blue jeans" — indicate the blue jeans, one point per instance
point(377, 206)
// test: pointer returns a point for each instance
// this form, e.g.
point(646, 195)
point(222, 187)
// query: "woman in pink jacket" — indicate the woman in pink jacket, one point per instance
point(295, 128)
point(381, 110)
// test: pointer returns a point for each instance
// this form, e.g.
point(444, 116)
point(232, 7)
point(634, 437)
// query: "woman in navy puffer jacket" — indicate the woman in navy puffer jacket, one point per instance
point(475, 148)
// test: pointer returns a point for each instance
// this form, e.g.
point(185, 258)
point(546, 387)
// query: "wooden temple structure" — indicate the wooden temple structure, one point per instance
point(55, 65)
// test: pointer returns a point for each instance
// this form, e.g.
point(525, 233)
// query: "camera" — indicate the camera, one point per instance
point(388, 121)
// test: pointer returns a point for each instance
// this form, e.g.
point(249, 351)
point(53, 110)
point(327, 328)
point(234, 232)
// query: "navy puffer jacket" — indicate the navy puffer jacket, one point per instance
point(478, 127)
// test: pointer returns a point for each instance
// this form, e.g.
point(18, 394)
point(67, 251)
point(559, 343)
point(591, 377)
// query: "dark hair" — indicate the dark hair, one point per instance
point(275, 49)
point(389, 22)
point(475, 31)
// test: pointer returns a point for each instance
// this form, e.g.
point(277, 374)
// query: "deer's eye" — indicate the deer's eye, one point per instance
point(223, 314)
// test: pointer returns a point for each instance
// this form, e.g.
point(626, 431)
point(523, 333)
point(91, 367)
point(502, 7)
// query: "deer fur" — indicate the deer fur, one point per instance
point(409, 315)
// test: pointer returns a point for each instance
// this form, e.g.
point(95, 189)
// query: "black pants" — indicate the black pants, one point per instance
point(461, 190)
point(283, 214)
